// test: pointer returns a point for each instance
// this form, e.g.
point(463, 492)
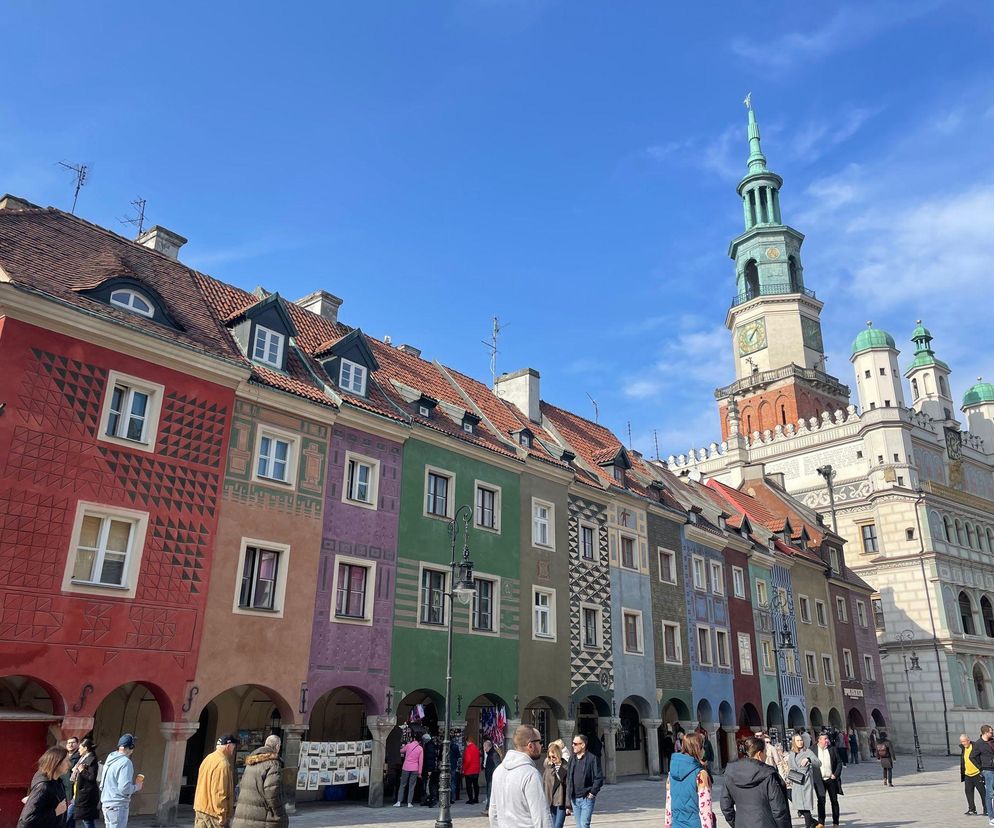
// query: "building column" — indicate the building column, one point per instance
point(512, 725)
point(728, 733)
point(713, 737)
point(609, 726)
point(567, 730)
point(652, 743)
point(863, 738)
point(176, 735)
point(292, 737)
point(380, 727)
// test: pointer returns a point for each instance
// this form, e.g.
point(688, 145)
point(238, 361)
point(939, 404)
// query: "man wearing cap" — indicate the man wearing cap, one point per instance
point(119, 783)
point(214, 801)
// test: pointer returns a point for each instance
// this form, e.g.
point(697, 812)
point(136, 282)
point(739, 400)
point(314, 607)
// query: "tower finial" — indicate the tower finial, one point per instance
point(757, 161)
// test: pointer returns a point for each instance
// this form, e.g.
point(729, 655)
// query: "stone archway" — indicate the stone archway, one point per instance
point(878, 718)
point(817, 720)
point(341, 715)
point(774, 719)
point(835, 719)
point(544, 713)
point(795, 718)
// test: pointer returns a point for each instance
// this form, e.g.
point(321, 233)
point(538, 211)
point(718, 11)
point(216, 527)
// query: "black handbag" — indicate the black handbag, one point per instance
point(796, 777)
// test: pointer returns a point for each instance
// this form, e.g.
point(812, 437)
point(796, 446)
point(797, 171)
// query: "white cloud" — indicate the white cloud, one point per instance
point(691, 360)
point(814, 139)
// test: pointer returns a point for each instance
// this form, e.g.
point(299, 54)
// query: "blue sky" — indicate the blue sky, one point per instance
point(567, 166)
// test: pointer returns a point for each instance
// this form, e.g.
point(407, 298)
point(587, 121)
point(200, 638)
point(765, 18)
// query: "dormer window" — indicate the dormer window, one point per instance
point(424, 411)
point(692, 516)
point(268, 347)
point(469, 422)
point(352, 377)
point(467, 427)
point(133, 301)
point(619, 474)
point(525, 439)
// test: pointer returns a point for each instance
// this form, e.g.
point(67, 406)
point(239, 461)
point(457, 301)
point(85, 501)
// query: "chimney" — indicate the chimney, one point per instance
point(12, 202)
point(162, 241)
point(409, 349)
point(322, 303)
point(522, 389)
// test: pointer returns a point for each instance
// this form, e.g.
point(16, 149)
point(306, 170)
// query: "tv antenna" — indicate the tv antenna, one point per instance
point(655, 439)
point(629, 435)
point(80, 171)
point(492, 347)
point(597, 412)
point(137, 220)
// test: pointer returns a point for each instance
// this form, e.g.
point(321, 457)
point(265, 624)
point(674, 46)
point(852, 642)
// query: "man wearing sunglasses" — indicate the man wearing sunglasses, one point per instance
point(583, 783)
point(518, 798)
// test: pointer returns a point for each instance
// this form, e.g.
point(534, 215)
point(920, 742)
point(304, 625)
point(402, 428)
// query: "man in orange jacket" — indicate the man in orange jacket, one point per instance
point(214, 801)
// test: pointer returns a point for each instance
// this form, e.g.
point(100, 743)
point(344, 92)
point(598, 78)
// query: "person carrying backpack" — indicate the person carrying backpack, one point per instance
point(885, 753)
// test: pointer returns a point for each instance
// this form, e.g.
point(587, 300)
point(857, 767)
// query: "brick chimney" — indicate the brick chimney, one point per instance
point(322, 303)
point(162, 241)
point(409, 349)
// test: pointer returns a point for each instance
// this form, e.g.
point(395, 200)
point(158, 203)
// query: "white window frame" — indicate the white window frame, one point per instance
point(551, 609)
point(769, 656)
point(594, 540)
point(869, 674)
point(450, 493)
point(599, 626)
point(847, 664)
point(132, 561)
point(821, 613)
point(355, 370)
point(833, 557)
point(497, 492)
point(841, 611)
point(677, 646)
point(874, 539)
point(738, 582)
point(697, 566)
point(446, 608)
point(745, 654)
point(722, 649)
point(804, 608)
point(269, 336)
point(373, 488)
point(494, 606)
point(155, 393)
point(639, 632)
point(279, 597)
point(621, 552)
point(790, 660)
point(811, 666)
point(662, 552)
point(273, 433)
point(829, 662)
point(861, 615)
point(129, 306)
point(366, 619)
point(710, 649)
point(550, 523)
point(717, 571)
point(762, 592)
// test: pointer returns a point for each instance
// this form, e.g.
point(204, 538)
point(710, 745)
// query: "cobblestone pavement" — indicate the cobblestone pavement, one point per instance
point(934, 797)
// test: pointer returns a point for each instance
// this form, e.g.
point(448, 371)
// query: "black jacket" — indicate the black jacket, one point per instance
point(754, 796)
point(430, 762)
point(983, 754)
point(87, 791)
point(666, 748)
point(39, 810)
point(588, 771)
point(836, 764)
point(490, 761)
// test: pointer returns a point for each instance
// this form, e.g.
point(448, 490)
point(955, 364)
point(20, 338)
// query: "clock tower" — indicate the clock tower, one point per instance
point(775, 322)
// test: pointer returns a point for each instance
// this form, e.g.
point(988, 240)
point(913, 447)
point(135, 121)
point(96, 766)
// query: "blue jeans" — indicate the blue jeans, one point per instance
point(88, 823)
point(116, 816)
point(583, 809)
point(988, 784)
point(558, 815)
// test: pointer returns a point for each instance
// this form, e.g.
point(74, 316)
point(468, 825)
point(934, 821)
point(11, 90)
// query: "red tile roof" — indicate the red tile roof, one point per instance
point(61, 256)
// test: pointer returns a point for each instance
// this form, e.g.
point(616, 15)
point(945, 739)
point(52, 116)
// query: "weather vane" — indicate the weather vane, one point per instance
point(748, 101)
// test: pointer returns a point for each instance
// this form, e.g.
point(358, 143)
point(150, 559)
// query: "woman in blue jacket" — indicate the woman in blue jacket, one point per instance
point(688, 788)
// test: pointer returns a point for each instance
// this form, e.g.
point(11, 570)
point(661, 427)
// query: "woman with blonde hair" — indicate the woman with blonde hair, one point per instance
point(554, 780)
point(46, 803)
point(688, 788)
point(802, 763)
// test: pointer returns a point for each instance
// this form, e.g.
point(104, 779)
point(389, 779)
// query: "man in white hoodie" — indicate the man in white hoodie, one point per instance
point(518, 797)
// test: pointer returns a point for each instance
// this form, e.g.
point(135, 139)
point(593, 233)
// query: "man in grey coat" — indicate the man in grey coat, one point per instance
point(754, 795)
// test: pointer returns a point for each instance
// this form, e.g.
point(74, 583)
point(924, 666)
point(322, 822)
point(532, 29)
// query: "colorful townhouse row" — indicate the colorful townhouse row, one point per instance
point(223, 511)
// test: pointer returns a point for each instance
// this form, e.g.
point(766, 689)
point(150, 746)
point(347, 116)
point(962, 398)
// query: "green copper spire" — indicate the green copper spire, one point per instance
point(924, 355)
point(757, 161)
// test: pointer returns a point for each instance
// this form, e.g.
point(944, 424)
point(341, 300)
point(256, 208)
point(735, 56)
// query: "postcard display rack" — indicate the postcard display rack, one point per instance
point(333, 763)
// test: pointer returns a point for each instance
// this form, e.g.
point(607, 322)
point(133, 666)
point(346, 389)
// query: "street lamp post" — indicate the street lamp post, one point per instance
point(462, 591)
point(906, 637)
point(783, 639)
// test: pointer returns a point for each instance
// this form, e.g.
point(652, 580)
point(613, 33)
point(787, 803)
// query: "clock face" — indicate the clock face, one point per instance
point(811, 333)
point(954, 444)
point(751, 337)
point(773, 253)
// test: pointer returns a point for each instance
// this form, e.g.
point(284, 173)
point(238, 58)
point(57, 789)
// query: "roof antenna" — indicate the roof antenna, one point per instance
point(492, 347)
point(655, 439)
point(139, 219)
point(629, 435)
point(80, 171)
point(597, 412)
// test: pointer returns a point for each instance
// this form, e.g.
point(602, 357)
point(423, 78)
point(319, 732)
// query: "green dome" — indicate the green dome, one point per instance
point(921, 332)
point(872, 338)
point(982, 392)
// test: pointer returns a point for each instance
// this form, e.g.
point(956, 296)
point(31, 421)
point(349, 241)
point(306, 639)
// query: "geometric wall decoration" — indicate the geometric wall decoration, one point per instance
point(65, 391)
point(28, 617)
point(173, 568)
point(164, 485)
point(34, 534)
point(192, 430)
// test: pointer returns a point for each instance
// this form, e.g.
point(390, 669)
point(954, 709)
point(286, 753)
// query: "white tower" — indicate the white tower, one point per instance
point(929, 378)
point(978, 406)
point(878, 379)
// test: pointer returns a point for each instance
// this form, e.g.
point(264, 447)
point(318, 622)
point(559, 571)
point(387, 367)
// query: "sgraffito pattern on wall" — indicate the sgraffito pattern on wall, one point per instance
point(590, 582)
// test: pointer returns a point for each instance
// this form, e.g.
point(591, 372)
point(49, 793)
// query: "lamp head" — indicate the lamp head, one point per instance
point(914, 662)
point(465, 588)
point(786, 638)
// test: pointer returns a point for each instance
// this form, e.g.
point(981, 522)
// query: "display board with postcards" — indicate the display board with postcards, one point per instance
point(333, 763)
point(248, 741)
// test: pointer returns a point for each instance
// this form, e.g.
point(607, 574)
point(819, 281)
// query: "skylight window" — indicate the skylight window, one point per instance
point(133, 301)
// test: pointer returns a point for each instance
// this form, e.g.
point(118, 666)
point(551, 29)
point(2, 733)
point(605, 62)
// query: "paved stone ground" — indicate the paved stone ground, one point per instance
point(933, 797)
